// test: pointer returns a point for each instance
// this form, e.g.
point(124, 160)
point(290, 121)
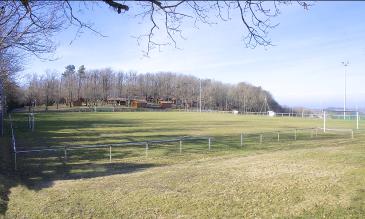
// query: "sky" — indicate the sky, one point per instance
point(303, 68)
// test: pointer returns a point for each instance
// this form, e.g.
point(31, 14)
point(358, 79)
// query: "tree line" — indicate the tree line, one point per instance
point(76, 86)
point(27, 29)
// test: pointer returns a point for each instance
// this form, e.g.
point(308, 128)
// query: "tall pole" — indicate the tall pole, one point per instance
point(226, 104)
point(344, 99)
point(244, 103)
point(345, 64)
point(324, 121)
point(200, 95)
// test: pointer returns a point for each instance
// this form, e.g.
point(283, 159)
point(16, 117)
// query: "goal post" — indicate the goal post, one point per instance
point(335, 119)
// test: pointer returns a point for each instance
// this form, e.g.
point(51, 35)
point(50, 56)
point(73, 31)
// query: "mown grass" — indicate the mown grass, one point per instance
point(321, 176)
point(59, 129)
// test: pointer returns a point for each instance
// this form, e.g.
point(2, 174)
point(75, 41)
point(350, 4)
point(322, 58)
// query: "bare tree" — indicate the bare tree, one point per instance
point(105, 77)
point(50, 86)
point(29, 28)
point(31, 19)
point(80, 77)
point(120, 83)
point(33, 93)
point(69, 79)
point(100, 84)
point(9, 91)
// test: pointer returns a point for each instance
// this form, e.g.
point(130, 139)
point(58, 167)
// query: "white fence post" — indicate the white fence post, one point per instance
point(65, 152)
point(14, 149)
point(357, 120)
point(13, 142)
point(110, 154)
point(32, 122)
point(241, 139)
point(209, 143)
point(278, 136)
point(180, 146)
point(146, 149)
point(324, 121)
point(352, 133)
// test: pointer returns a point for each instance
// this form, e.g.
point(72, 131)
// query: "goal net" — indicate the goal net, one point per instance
point(337, 120)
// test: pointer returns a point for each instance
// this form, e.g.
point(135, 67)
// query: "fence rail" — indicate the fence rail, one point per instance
point(131, 143)
point(147, 144)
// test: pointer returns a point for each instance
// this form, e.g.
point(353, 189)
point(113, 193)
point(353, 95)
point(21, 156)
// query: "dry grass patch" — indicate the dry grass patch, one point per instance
point(278, 184)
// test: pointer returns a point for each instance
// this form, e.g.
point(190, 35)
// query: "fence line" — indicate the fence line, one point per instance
point(302, 115)
point(180, 140)
point(278, 135)
point(238, 112)
point(65, 149)
point(131, 143)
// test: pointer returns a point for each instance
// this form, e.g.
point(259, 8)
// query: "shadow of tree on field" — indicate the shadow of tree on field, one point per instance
point(37, 178)
point(5, 186)
point(58, 132)
point(37, 173)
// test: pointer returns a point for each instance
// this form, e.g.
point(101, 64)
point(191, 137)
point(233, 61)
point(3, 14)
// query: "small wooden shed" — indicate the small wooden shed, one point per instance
point(138, 104)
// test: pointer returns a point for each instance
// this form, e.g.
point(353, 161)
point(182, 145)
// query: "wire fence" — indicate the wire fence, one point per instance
point(289, 135)
point(66, 149)
point(266, 113)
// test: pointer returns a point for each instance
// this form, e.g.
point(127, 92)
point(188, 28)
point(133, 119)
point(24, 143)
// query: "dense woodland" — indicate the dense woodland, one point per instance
point(95, 87)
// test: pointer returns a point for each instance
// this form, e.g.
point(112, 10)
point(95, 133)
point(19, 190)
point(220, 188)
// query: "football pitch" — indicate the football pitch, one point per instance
point(246, 172)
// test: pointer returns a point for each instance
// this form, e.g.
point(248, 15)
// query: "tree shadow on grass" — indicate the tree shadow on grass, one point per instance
point(52, 133)
point(39, 173)
point(36, 178)
point(5, 185)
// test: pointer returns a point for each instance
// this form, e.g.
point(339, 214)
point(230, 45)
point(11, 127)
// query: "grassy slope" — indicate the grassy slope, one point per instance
point(320, 177)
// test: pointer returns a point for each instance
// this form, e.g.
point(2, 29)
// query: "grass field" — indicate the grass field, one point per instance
point(323, 176)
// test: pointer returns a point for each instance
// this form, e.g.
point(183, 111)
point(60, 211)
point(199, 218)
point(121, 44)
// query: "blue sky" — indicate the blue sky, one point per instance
point(302, 69)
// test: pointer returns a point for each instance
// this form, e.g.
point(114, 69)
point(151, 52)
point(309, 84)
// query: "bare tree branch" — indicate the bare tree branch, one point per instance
point(117, 6)
point(30, 25)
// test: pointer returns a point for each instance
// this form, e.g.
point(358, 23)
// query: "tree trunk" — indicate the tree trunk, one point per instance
point(46, 103)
